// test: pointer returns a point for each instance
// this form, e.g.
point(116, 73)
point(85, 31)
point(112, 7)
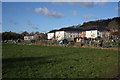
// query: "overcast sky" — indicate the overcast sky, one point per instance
point(45, 16)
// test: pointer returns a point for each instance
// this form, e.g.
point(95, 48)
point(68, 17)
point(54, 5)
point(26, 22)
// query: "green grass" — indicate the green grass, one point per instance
point(34, 61)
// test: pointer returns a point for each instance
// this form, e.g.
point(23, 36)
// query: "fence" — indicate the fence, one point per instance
point(83, 43)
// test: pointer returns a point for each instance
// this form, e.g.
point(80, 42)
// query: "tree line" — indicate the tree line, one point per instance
point(15, 36)
point(112, 24)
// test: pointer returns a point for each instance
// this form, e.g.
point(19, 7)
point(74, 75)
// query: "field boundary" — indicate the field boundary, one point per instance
point(115, 49)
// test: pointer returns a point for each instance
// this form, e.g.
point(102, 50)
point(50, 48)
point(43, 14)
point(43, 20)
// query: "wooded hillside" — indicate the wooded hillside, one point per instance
point(112, 24)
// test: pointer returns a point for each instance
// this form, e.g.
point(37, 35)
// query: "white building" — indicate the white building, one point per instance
point(97, 32)
point(60, 35)
point(93, 34)
point(31, 37)
point(76, 33)
point(64, 34)
point(50, 35)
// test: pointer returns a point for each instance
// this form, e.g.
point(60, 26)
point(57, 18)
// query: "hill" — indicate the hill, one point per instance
point(112, 24)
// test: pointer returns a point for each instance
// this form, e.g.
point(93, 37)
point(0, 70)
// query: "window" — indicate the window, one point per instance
point(97, 33)
point(73, 35)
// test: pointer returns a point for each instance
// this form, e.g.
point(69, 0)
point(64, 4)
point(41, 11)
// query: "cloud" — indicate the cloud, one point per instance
point(88, 17)
point(117, 8)
point(0, 23)
point(33, 26)
point(48, 13)
point(12, 9)
point(13, 22)
point(29, 23)
point(87, 4)
point(85, 0)
point(29, 9)
point(74, 13)
point(100, 3)
point(82, 4)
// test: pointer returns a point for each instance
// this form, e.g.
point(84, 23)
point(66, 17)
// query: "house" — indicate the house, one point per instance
point(51, 35)
point(64, 33)
point(31, 37)
point(77, 34)
point(97, 33)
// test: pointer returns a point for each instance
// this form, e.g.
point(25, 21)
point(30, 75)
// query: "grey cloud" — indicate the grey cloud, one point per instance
point(12, 9)
point(74, 13)
point(88, 17)
point(82, 4)
point(117, 8)
point(48, 13)
point(85, 0)
point(33, 26)
point(100, 3)
point(29, 23)
point(0, 25)
point(30, 10)
point(87, 4)
point(13, 22)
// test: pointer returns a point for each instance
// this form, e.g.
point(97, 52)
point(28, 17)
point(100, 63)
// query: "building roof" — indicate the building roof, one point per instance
point(66, 29)
point(52, 31)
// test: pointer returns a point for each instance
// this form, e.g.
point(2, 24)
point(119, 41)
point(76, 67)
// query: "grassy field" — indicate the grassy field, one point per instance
point(34, 61)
